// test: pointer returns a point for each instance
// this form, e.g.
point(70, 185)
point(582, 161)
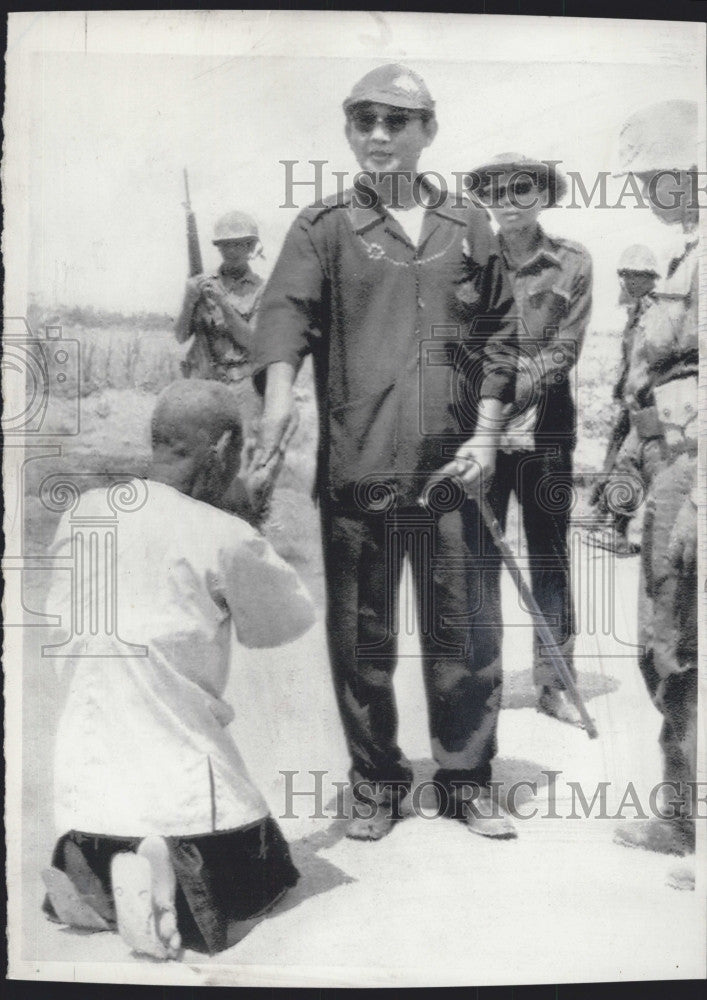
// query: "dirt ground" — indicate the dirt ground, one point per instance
point(432, 904)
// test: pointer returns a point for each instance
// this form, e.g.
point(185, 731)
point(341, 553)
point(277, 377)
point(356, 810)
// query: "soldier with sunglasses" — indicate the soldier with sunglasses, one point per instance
point(552, 287)
point(398, 291)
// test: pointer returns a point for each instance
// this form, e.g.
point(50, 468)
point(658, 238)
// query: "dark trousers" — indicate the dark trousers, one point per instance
point(222, 878)
point(542, 482)
point(456, 574)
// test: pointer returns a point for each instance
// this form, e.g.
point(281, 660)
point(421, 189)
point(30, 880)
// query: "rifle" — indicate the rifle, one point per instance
point(196, 265)
point(543, 630)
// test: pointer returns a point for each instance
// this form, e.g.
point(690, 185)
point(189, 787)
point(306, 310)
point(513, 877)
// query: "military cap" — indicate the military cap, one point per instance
point(638, 258)
point(235, 226)
point(392, 84)
point(660, 137)
point(548, 176)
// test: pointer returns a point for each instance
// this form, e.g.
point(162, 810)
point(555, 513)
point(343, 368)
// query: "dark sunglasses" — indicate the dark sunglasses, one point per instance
point(515, 190)
point(364, 120)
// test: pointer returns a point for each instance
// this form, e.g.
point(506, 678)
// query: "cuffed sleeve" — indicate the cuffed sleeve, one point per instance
point(268, 603)
point(496, 322)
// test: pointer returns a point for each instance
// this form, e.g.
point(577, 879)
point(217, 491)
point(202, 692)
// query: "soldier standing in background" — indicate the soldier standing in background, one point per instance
point(659, 145)
point(552, 287)
point(218, 314)
point(219, 309)
point(638, 273)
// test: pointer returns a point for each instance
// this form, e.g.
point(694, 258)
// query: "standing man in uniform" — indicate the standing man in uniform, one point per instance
point(218, 310)
point(659, 145)
point(638, 273)
point(367, 281)
point(552, 286)
point(218, 314)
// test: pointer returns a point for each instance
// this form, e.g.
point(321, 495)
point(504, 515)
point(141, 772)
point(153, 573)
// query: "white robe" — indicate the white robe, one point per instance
point(142, 746)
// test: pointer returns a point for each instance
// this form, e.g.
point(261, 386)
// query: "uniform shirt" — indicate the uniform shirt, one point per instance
point(219, 325)
point(405, 338)
point(553, 295)
point(142, 746)
point(665, 346)
point(635, 310)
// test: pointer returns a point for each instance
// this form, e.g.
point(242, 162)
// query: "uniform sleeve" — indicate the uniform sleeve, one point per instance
point(268, 603)
point(496, 321)
point(182, 324)
point(290, 316)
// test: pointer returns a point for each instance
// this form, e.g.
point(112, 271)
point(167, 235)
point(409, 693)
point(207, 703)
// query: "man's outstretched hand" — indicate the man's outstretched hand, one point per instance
point(473, 465)
point(263, 458)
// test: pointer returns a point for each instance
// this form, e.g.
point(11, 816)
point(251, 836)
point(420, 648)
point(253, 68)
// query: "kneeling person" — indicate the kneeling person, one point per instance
point(163, 832)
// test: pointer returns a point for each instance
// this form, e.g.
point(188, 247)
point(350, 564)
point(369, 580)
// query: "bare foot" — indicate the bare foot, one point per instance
point(144, 887)
point(164, 889)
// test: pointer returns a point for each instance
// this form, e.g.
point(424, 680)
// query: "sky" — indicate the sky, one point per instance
point(111, 108)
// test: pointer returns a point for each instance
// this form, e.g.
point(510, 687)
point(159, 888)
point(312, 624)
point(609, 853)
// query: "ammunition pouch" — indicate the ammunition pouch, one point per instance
point(676, 405)
point(674, 415)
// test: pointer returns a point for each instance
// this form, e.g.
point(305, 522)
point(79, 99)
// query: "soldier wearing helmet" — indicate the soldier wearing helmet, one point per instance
point(659, 145)
point(218, 314)
point(219, 309)
point(638, 273)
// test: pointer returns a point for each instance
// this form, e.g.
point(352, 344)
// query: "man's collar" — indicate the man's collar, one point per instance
point(544, 252)
point(366, 210)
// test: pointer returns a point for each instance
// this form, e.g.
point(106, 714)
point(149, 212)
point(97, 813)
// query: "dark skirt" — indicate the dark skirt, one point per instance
point(222, 878)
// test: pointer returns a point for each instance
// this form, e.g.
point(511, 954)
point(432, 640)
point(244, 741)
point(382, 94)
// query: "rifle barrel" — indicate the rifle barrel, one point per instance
point(558, 660)
point(548, 640)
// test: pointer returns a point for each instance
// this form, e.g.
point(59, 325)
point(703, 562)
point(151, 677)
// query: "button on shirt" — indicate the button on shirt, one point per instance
point(142, 745)
point(405, 338)
point(553, 295)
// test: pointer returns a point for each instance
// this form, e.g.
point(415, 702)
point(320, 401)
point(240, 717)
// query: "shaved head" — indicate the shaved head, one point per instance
point(197, 436)
point(196, 404)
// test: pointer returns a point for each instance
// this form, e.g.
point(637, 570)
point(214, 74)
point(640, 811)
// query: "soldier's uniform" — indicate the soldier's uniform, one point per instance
point(552, 289)
point(553, 294)
point(661, 392)
point(221, 344)
point(622, 461)
point(218, 315)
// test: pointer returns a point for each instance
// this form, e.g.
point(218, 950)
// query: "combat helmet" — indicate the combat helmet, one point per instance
point(660, 137)
point(638, 258)
point(235, 226)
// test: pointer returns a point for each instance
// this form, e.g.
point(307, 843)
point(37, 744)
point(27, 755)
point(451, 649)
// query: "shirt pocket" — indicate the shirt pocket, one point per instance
point(547, 304)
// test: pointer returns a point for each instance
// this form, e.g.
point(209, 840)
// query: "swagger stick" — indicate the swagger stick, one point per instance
point(556, 657)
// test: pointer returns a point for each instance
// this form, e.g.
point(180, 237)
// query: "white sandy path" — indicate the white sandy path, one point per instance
point(431, 904)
